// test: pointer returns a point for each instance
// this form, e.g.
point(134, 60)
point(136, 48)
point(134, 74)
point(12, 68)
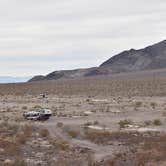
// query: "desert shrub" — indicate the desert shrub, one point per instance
point(88, 124)
point(73, 133)
point(9, 109)
point(24, 107)
point(21, 139)
point(59, 124)
point(37, 107)
point(54, 113)
point(125, 123)
point(157, 122)
point(87, 100)
point(27, 130)
point(153, 105)
point(96, 122)
point(97, 137)
point(62, 144)
point(138, 104)
point(44, 133)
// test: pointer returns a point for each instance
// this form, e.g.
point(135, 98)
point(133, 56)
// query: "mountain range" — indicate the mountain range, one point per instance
point(149, 58)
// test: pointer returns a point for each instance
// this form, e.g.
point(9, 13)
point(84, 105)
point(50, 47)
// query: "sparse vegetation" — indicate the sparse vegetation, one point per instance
point(153, 105)
point(68, 137)
point(157, 122)
point(125, 123)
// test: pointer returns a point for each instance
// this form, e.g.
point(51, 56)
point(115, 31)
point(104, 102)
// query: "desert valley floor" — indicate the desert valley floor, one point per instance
point(116, 121)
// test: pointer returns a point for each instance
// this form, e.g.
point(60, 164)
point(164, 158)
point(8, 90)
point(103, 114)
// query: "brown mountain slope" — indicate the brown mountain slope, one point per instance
point(149, 58)
point(152, 57)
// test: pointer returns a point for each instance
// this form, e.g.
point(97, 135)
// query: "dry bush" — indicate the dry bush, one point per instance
point(73, 133)
point(153, 105)
point(21, 139)
point(157, 122)
point(97, 136)
point(44, 133)
point(24, 107)
point(125, 123)
point(138, 104)
point(59, 124)
point(37, 107)
point(88, 124)
point(61, 144)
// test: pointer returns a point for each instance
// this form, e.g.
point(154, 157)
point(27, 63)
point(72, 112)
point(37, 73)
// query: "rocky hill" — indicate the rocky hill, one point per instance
point(149, 58)
point(152, 57)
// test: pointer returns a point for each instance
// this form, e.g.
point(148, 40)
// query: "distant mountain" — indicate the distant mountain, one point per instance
point(8, 79)
point(149, 58)
point(152, 57)
point(63, 74)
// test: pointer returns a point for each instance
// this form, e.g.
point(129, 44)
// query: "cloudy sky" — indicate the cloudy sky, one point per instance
point(40, 36)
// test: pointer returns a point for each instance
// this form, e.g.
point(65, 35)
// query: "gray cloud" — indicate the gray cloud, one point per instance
point(39, 36)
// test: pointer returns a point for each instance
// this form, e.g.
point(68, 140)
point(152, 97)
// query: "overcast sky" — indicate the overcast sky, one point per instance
point(40, 36)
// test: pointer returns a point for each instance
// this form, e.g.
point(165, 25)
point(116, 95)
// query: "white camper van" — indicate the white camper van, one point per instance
point(42, 114)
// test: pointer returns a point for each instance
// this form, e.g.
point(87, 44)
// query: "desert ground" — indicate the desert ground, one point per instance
point(103, 121)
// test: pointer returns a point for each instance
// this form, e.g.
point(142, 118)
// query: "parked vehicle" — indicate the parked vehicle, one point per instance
point(42, 114)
